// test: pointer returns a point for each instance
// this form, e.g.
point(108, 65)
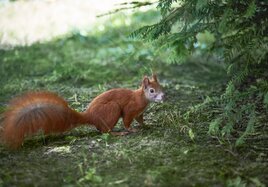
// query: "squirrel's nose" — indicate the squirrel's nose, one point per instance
point(163, 96)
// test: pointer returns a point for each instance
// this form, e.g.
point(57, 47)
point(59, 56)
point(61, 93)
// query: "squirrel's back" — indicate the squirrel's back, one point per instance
point(36, 112)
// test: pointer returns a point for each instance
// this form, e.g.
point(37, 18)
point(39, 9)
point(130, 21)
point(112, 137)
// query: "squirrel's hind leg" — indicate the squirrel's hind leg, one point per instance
point(105, 116)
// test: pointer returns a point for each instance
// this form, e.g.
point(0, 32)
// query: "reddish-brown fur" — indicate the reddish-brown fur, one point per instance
point(106, 109)
point(34, 112)
point(48, 113)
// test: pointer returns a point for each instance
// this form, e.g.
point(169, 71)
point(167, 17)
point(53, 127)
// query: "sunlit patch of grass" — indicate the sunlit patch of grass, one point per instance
point(45, 19)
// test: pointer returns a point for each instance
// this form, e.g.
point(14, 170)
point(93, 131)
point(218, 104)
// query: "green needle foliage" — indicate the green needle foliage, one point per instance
point(234, 31)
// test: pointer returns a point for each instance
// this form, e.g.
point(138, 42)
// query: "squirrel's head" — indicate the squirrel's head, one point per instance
point(152, 89)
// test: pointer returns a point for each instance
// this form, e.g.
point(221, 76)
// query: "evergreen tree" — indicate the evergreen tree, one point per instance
point(238, 34)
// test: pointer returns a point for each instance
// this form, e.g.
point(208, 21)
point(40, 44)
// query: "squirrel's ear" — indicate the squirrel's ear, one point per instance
point(155, 77)
point(145, 82)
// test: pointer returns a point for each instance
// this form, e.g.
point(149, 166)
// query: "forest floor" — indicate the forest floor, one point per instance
point(167, 151)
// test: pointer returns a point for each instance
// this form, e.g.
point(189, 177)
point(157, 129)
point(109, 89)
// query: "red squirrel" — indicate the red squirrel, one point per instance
point(49, 113)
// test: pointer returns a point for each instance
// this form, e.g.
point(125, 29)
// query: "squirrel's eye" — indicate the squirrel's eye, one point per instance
point(151, 90)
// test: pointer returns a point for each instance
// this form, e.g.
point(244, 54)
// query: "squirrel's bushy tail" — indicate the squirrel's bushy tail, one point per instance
point(36, 112)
